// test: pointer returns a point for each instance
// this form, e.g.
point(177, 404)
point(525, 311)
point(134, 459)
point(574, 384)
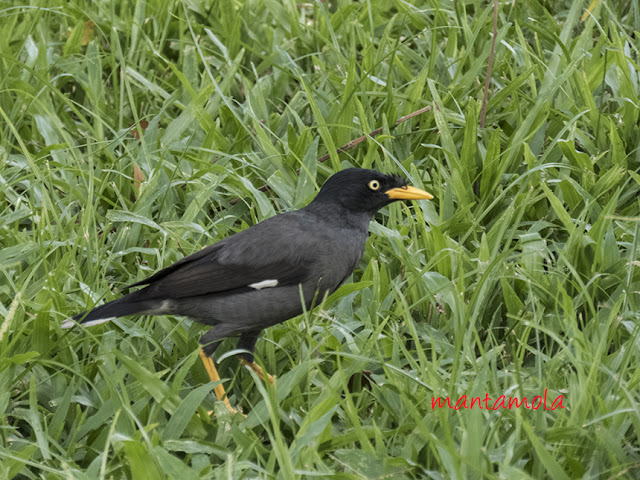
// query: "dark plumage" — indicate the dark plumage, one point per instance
point(253, 279)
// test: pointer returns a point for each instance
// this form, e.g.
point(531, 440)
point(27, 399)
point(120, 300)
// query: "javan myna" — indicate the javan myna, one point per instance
point(263, 275)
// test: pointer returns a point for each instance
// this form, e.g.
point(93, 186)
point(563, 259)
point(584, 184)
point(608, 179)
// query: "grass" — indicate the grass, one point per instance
point(129, 130)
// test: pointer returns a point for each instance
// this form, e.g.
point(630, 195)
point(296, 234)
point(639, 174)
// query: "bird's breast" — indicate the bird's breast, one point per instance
point(340, 255)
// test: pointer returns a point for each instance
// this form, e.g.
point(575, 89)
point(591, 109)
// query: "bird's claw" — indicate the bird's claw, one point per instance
point(259, 371)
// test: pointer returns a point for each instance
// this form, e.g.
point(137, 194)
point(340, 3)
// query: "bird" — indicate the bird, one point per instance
point(267, 273)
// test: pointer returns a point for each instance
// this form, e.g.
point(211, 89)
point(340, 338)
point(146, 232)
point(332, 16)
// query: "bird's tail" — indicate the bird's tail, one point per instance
point(104, 313)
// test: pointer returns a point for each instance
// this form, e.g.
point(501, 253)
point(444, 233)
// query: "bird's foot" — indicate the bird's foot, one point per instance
point(259, 371)
point(232, 411)
point(214, 377)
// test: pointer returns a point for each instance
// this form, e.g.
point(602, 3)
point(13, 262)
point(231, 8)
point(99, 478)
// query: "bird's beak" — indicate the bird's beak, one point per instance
point(408, 193)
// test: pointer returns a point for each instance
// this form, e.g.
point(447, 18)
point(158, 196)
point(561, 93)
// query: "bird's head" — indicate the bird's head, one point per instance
point(367, 191)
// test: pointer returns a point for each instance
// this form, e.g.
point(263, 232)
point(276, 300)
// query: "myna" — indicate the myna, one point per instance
point(267, 273)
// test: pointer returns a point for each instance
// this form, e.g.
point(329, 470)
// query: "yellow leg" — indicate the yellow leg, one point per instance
point(256, 368)
point(213, 375)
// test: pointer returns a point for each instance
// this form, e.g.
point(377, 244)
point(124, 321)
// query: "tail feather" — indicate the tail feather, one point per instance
point(104, 313)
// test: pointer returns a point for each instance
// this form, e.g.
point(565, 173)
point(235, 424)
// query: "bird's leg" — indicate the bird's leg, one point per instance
point(258, 369)
point(209, 342)
point(247, 341)
point(213, 375)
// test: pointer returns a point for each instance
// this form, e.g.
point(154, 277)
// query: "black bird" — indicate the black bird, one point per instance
point(254, 279)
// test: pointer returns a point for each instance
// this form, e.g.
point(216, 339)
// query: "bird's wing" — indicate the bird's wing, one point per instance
point(270, 254)
point(209, 251)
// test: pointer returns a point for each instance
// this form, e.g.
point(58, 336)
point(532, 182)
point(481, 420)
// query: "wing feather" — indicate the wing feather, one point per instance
point(279, 248)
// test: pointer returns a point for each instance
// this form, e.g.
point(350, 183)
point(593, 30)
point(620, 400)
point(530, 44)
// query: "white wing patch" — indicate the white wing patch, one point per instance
point(264, 284)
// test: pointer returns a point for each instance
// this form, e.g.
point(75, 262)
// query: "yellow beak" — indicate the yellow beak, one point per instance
point(408, 193)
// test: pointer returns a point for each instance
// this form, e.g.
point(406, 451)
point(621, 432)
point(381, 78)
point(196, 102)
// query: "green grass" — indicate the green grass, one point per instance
point(522, 275)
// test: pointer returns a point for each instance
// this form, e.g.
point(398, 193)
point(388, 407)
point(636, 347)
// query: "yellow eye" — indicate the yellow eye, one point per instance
point(374, 185)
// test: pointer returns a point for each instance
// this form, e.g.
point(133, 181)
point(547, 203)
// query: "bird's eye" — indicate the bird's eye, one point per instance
point(374, 185)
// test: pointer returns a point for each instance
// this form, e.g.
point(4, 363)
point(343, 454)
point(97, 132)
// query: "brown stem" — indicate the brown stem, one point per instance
point(353, 143)
point(377, 131)
point(483, 112)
